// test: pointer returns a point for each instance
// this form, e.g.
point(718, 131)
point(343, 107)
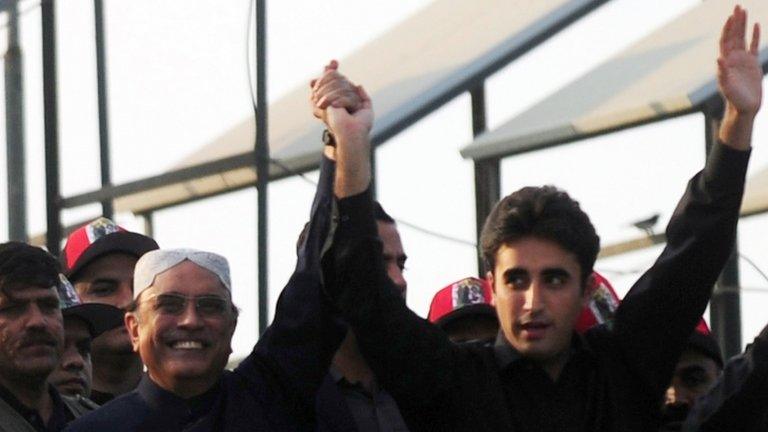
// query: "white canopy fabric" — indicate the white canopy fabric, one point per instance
point(668, 73)
point(756, 194)
point(755, 203)
point(417, 65)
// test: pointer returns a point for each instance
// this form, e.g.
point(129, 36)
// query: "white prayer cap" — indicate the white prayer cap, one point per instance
point(157, 261)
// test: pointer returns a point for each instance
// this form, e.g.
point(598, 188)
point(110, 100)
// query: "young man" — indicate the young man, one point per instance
point(540, 249)
point(99, 258)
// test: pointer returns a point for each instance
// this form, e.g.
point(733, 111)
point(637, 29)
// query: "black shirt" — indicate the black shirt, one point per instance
point(613, 381)
point(536, 400)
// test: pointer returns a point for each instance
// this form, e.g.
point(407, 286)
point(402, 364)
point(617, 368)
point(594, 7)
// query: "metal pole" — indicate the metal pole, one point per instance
point(725, 306)
point(262, 160)
point(149, 224)
point(50, 114)
point(14, 130)
point(487, 172)
point(107, 209)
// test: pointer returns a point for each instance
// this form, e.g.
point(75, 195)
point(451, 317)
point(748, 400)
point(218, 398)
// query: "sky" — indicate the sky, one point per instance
point(177, 77)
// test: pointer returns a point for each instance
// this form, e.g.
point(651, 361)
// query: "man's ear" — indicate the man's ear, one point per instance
point(590, 285)
point(489, 278)
point(132, 324)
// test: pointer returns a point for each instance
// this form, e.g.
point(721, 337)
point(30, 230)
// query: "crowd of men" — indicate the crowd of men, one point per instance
point(121, 335)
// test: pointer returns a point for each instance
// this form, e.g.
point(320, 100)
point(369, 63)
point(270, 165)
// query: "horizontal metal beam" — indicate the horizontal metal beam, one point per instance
point(543, 145)
point(632, 245)
point(180, 175)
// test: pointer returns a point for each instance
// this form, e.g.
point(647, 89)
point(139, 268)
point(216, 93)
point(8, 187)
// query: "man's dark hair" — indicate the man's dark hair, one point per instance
point(22, 264)
point(380, 215)
point(546, 213)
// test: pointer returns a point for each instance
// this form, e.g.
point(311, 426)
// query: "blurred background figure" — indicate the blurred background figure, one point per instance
point(465, 312)
point(99, 259)
point(82, 323)
point(696, 373)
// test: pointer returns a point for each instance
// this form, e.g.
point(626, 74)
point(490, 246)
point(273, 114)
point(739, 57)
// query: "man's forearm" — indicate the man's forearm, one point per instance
point(353, 164)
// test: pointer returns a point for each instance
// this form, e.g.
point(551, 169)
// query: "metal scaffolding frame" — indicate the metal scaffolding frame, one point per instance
point(486, 181)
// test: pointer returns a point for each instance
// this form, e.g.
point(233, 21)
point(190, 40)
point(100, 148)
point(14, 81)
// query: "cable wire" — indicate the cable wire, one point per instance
point(306, 179)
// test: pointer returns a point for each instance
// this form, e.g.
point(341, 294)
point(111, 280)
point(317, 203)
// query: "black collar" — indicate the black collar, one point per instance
point(506, 355)
point(173, 406)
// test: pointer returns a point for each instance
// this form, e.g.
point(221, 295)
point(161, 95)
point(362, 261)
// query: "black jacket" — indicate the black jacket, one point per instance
point(615, 378)
point(274, 388)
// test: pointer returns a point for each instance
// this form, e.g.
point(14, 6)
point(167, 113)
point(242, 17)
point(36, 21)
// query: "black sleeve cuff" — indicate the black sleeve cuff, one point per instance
point(726, 166)
point(355, 216)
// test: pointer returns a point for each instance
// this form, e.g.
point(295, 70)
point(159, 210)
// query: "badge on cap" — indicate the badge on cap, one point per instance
point(466, 292)
point(100, 228)
point(67, 294)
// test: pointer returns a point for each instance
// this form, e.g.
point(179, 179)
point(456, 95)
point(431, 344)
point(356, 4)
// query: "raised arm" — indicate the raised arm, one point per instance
point(662, 308)
point(411, 358)
point(297, 348)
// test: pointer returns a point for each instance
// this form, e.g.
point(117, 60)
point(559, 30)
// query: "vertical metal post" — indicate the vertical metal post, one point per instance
point(107, 209)
point(725, 306)
point(149, 224)
point(51, 127)
point(262, 160)
point(487, 172)
point(373, 170)
point(14, 130)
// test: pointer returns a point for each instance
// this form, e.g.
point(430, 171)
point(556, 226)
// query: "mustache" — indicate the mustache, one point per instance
point(38, 337)
point(176, 335)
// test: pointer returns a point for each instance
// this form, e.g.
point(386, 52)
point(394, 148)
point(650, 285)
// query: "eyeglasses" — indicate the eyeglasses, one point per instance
point(207, 306)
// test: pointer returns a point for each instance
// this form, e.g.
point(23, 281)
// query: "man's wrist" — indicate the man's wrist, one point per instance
point(736, 129)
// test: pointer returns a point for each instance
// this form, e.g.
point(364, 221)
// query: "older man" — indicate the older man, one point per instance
point(182, 322)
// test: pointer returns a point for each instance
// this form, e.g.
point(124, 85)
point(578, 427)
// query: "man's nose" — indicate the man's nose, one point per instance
point(189, 317)
point(399, 279)
point(35, 317)
point(533, 297)
point(72, 360)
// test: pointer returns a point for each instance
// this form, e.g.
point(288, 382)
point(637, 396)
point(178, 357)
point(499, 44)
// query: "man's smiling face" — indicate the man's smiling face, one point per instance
point(183, 328)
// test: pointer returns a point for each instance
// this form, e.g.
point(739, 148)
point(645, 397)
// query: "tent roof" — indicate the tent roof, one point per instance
point(756, 194)
point(670, 72)
point(420, 64)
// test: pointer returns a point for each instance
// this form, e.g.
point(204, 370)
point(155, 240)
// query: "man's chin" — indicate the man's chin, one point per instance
point(34, 370)
point(675, 413)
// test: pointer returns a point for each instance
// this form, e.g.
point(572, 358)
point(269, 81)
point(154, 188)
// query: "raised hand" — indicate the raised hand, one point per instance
point(740, 79)
point(332, 89)
point(356, 125)
point(739, 75)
